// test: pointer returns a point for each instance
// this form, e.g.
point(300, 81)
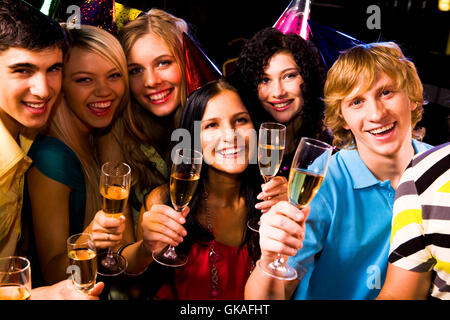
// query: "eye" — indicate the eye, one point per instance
point(83, 80)
point(55, 69)
point(211, 125)
point(355, 103)
point(386, 92)
point(291, 75)
point(135, 71)
point(164, 63)
point(264, 80)
point(116, 75)
point(23, 71)
point(242, 120)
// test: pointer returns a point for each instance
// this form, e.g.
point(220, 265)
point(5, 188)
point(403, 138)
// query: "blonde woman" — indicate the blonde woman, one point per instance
point(153, 44)
point(63, 183)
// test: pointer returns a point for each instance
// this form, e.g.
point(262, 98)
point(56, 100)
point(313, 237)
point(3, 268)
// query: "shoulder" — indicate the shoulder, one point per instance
point(47, 148)
point(159, 195)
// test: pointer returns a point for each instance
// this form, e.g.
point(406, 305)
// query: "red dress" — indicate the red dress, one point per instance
point(193, 280)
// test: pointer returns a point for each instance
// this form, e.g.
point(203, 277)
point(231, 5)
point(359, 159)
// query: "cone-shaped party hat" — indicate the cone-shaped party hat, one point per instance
point(199, 68)
point(330, 42)
point(125, 14)
point(99, 13)
point(295, 19)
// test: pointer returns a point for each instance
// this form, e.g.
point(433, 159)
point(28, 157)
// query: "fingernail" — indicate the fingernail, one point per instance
point(257, 206)
point(182, 220)
point(259, 196)
point(298, 216)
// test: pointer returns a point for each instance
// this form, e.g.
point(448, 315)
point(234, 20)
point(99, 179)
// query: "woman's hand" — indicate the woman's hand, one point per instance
point(107, 231)
point(273, 192)
point(163, 225)
point(282, 230)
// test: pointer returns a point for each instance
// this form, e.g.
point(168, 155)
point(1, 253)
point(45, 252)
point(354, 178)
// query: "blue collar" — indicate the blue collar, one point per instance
point(362, 177)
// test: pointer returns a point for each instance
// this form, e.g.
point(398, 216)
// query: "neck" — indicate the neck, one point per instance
point(223, 186)
point(390, 167)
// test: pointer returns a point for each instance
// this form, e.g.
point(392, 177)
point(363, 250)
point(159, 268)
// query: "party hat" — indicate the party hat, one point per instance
point(99, 13)
point(125, 14)
point(199, 68)
point(295, 19)
point(330, 42)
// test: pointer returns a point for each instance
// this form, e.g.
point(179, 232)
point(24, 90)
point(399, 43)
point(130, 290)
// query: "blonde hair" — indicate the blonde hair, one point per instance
point(137, 125)
point(362, 64)
point(104, 44)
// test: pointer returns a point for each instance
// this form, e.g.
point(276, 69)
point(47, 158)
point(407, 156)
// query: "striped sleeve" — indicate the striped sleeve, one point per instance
point(408, 242)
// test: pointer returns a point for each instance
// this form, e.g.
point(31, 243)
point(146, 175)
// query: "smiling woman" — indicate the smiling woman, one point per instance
point(63, 183)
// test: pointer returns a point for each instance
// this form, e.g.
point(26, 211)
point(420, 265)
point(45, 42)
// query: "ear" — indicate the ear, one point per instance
point(413, 105)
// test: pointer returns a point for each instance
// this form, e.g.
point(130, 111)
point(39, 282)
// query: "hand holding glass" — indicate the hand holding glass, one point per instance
point(15, 278)
point(115, 180)
point(82, 261)
point(271, 144)
point(186, 168)
point(308, 169)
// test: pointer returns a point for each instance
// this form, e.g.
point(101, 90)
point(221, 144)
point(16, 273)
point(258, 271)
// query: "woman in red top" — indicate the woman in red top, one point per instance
point(221, 249)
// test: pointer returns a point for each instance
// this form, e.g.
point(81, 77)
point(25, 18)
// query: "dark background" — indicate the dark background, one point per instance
point(421, 30)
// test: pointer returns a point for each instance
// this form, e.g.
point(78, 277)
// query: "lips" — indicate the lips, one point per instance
point(382, 130)
point(230, 152)
point(160, 96)
point(100, 108)
point(282, 105)
point(36, 107)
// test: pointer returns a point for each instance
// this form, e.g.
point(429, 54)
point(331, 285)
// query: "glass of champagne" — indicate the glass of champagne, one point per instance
point(82, 261)
point(271, 144)
point(15, 278)
point(115, 180)
point(308, 169)
point(184, 177)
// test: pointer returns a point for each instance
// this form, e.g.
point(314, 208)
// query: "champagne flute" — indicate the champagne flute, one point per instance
point(115, 180)
point(271, 144)
point(184, 177)
point(308, 169)
point(82, 261)
point(15, 278)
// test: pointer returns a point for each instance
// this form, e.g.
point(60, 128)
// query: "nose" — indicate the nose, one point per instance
point(102, 89)
point(39, 86)
point(278, 89)
point(229, 135)
point(377, 110)
point(152, 78)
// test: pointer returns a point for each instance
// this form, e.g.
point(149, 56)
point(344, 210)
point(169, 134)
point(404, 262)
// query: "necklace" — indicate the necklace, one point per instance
point(213, 255)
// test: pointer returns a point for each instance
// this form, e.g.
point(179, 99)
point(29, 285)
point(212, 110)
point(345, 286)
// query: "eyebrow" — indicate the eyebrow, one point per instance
point(234, 116)
point(28, 65)
point(87, 72)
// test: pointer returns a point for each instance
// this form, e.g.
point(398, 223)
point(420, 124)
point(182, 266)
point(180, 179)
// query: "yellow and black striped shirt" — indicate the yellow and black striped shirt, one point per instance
point(420, 237)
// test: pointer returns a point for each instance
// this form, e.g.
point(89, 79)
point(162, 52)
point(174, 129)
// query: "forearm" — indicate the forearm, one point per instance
point(260, 286)
point(138, 257)
point(55, 270)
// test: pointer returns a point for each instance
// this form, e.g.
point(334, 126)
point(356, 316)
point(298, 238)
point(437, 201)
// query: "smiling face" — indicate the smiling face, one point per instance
point(279, 91)
point(226, 133)
point(379, 117)
point(155, 76)
point(31, 82)
point(93, 88)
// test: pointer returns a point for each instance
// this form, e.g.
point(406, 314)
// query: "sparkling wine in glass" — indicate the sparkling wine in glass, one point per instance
point(307, 172)
point(115, 181)
point(271, 144)
point(82, 261)
point(15, 278)
point(184, 177)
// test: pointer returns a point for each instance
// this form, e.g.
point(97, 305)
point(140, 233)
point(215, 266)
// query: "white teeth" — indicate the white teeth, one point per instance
point(101, 105)
point(159, 96)
point(281, 105)
point(35, 105)
point(382, 129)
point(230, 151)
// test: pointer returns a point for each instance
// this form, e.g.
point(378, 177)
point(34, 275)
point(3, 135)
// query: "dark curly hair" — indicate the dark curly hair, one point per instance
point(254, 58)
